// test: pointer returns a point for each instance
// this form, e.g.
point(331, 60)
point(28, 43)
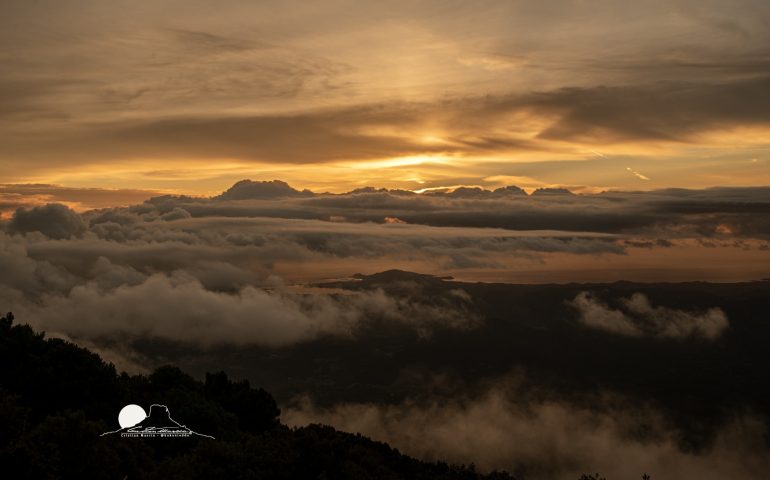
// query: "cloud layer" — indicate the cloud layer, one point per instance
point(179, 309)
point(205, 261)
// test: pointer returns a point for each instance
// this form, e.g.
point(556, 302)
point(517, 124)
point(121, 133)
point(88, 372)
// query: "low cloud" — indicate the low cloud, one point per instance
point(178, 308)
point(175, 214)
point(204, 304)
point(638, 317)
point(546, 439)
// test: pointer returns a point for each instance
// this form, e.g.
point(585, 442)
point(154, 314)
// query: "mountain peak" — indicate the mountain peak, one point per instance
point(510, 190)
point(261, 190)
point(552, 191)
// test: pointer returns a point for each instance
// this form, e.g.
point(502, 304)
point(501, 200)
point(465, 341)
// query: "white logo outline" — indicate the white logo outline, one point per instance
point(174, 429)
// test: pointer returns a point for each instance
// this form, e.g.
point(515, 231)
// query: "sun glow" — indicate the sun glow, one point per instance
point(408, 161)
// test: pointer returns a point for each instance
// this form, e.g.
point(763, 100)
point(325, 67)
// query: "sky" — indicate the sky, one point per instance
point(112, 99)
point(655, 115)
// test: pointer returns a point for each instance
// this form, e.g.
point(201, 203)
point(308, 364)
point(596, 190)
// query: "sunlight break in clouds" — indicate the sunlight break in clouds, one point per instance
point(637, 174)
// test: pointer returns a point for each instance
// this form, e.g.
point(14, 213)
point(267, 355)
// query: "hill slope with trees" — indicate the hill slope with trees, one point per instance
point(56, 399)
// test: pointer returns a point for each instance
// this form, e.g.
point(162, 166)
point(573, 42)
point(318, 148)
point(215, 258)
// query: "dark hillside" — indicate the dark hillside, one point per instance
point(56, 399)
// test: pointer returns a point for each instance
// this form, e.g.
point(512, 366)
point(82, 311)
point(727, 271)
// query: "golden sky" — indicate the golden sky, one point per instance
point(191, 96)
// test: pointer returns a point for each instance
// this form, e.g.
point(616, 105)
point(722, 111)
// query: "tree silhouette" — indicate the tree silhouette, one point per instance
point(56, 399)
point(595, 476)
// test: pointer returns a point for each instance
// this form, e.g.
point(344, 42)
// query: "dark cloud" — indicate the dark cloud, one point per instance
point(23, 276)
point(21, 99)
point(661, 112)
point(175, 214)
point(668, 112)
point(306, 138)
point(53, 220)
